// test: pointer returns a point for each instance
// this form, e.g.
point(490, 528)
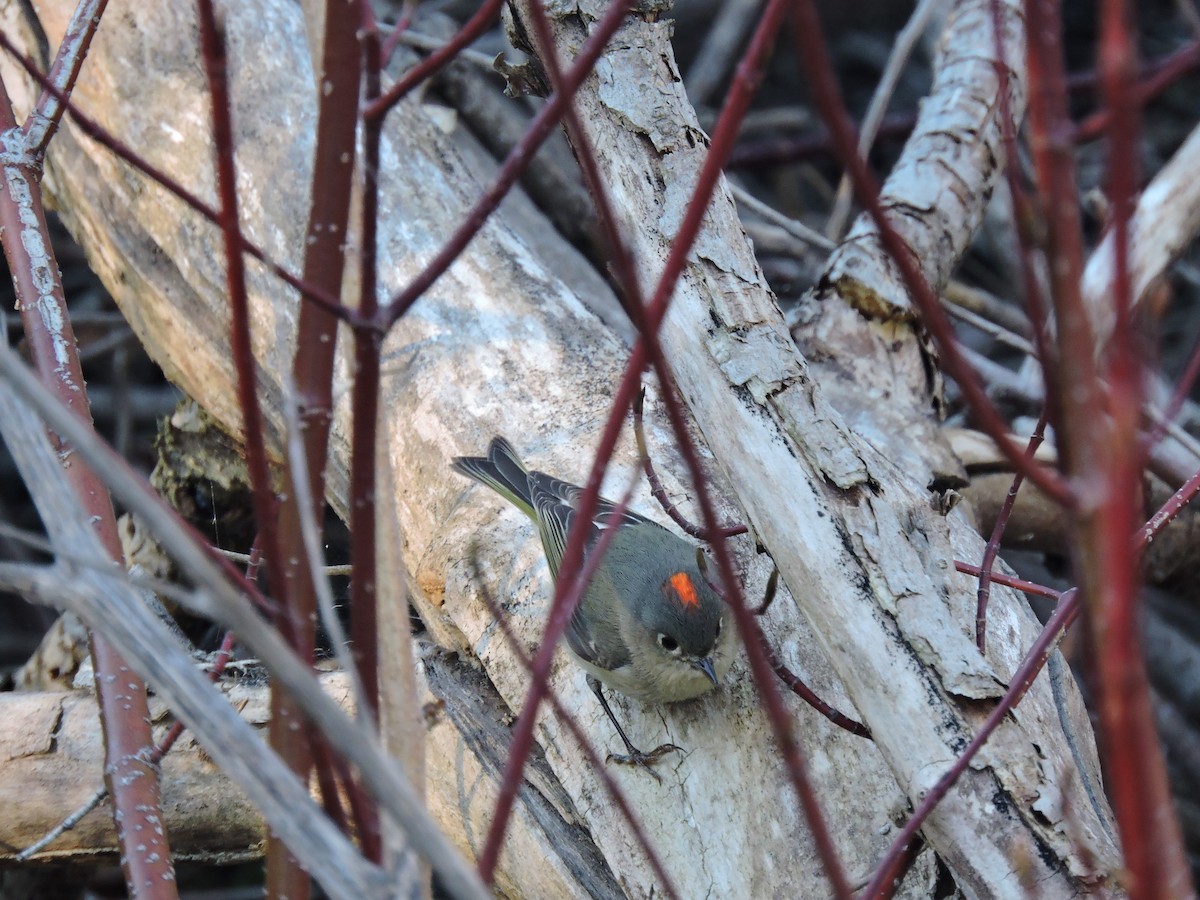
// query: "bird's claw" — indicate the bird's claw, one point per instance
point(646, 760)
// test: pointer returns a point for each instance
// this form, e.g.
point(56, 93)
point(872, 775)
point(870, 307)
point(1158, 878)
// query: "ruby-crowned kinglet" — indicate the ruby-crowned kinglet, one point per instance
point(649, 624)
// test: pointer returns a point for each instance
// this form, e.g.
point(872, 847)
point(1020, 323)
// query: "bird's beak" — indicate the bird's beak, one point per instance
point(706, 666)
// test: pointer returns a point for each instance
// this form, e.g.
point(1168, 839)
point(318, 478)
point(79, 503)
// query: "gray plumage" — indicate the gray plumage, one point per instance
point(649, 625)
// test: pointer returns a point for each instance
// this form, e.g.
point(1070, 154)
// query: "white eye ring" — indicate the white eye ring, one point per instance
point(668, 643)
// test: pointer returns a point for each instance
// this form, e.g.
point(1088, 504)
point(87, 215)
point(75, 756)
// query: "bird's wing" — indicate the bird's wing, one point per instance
point(555, 513)
point(555, 504)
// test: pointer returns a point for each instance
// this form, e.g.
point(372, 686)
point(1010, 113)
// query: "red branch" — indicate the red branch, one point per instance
point(132, 781)
point(992, 550)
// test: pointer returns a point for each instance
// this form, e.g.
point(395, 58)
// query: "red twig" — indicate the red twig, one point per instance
point(1156, 78)
point(735, 108)
point(1020, 584)
point(283, 876)
point(796, 685)
point(656, 486)
point(366, 357)
point(992, 550)
point(775, 151)
point(744, 85)
point(312, 369)
point(378, 106)
point(794, 682)
point(263, 497)
point(1134, 765)
point(1173, 507)
point(316, 335)
point(516, 163)
point(324, 266)
point(401, 26)
point(365, 403)
point(1181, 392)
point(573, 576)
point(789, 748)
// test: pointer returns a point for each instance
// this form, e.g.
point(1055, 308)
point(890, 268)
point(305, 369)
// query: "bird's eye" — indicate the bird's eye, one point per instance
point(719, 624)
point(668, 643)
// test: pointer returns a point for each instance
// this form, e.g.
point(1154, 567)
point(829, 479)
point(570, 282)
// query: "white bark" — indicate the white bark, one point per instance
point(1164, 224)
point(54, 761)
point(883, 374)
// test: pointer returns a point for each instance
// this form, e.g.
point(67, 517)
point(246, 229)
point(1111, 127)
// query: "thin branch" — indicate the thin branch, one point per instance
point(992, 550)
point(574, 575)
point(377, 106)
point(650, 321)
point(1020, 584)
point(568, 719)
point(516, 163)
point(43, 121)
point(93, 130)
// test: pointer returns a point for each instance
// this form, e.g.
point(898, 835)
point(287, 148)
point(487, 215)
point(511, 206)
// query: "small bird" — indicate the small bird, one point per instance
point(649, 624)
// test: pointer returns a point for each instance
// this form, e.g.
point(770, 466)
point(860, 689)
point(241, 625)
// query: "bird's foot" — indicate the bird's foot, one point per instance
point(636, 757)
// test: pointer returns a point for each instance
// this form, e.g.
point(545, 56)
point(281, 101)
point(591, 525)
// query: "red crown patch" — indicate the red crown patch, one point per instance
point(685, 590)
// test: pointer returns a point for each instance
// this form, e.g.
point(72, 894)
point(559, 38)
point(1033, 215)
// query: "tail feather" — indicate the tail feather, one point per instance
point(502, 471)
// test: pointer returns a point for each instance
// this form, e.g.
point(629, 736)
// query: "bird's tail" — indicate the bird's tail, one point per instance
point(502, 471)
